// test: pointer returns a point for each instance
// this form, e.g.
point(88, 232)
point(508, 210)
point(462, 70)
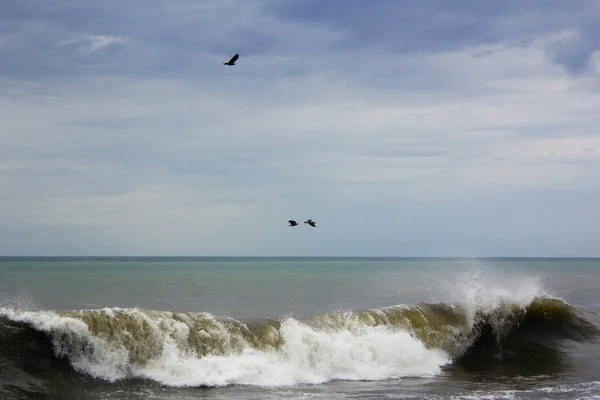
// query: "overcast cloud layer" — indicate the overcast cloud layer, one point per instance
point(439, 128)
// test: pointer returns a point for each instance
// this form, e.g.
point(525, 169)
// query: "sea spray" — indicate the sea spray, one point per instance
point(72, 339)
point(305, 356)
point(200, 349)
point(115, 344)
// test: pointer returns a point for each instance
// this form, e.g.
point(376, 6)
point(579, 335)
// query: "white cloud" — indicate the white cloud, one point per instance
point(88, 44)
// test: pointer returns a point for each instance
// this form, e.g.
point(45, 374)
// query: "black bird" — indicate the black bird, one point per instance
point(311, 223)
point(233, 60)
point(292, 222)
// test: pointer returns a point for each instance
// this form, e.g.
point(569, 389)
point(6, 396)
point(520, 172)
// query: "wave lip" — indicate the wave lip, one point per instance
point(199, 349)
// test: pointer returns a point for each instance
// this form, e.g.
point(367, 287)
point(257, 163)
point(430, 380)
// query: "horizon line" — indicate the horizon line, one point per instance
point(296, 257)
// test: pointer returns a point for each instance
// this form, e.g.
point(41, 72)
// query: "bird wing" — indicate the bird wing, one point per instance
point(234, 58)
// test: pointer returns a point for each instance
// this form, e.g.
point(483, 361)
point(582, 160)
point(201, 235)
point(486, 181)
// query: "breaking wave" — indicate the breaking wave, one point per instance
point(200, 349)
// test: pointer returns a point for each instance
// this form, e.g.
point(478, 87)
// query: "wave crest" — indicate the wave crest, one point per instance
point(199, 349)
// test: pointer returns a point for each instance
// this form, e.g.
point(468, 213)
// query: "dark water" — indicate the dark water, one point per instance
point(154, 328)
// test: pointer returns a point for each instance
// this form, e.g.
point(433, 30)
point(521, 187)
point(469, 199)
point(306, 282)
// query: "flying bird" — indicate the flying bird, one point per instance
point(311, 223)
point(233, 60)
point(292, 222)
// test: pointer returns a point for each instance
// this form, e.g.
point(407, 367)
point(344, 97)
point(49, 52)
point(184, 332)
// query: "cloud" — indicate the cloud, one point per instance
point(577, 48)
point(87, 44)
point(425, 129)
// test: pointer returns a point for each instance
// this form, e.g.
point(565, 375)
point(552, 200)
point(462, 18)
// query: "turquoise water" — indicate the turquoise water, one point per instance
point(290, 289)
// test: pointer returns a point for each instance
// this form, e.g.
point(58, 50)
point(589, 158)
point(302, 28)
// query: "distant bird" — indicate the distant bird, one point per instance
point(292, 222)
point(311, 223)
point(233, 60)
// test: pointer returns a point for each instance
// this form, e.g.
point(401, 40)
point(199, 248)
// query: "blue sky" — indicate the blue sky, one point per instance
point(404, 128)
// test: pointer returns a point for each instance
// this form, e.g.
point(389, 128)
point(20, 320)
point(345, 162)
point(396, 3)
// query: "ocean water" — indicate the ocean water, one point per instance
point(299, 328)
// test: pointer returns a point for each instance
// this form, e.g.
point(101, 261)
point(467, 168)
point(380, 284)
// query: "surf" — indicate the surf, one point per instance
point(201, 349)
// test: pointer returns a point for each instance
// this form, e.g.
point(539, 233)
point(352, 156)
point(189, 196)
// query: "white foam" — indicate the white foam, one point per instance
point(71, 338)
point(582, 388)
point(580, 391)
point(307, 355)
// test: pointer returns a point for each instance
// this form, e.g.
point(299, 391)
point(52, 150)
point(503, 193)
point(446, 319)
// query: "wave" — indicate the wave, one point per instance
point(200, 349)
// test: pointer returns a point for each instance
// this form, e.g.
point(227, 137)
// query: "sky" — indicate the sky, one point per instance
point(403, 128)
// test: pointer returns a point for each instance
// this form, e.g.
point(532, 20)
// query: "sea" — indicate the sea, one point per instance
point(299, 328)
